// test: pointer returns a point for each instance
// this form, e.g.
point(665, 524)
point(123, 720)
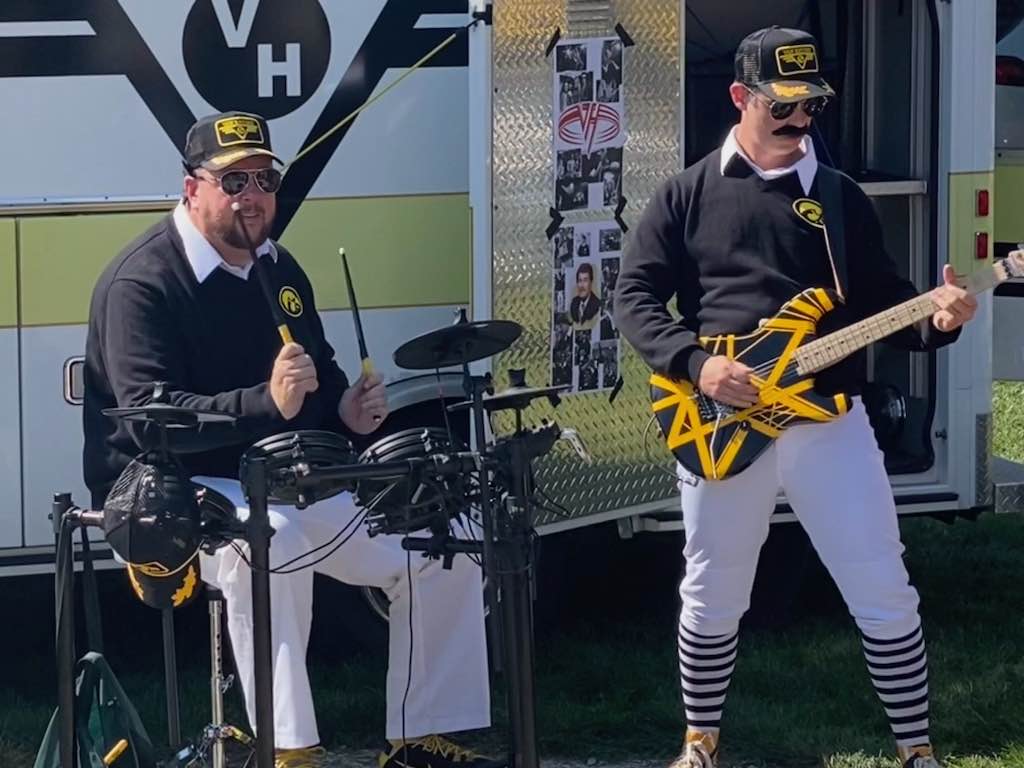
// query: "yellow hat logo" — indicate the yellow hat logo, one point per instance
point(238, 130)
point(188, 586)
point(810, 211)
point(796, 59)
point(290, 301)
point(789, 91)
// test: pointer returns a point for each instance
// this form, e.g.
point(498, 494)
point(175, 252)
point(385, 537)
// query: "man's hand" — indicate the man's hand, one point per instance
point(955, 305)
point(294, 376)
point(727, 381)
point(364, 405)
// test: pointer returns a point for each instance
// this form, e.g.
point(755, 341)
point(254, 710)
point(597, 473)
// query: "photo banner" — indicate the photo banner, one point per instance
point(588, 123)
point(584, 340)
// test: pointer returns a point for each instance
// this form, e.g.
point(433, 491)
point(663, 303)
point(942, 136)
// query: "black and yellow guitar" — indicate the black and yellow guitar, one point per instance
point(715, 441)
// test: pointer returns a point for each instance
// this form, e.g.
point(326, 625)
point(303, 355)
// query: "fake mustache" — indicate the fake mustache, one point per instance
point(792, 130)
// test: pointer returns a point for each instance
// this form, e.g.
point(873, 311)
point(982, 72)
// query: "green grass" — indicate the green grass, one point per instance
point(607, 685)
point(1008, 420)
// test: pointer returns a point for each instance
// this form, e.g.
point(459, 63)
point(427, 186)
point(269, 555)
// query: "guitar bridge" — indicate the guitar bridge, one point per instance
point(712, 410)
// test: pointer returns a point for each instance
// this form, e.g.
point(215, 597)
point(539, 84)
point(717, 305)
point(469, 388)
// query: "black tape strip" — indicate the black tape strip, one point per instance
point(556, 222)
point(618, 214)
point(553, 42)
point(486, 15)
point(615, 390)
point(624, 35)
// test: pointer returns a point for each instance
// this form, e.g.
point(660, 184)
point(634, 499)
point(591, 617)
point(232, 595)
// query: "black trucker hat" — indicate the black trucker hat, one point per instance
point(783, 64)
point(217, 141)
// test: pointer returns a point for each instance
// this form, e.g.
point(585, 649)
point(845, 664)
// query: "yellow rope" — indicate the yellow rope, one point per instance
point(349, 118)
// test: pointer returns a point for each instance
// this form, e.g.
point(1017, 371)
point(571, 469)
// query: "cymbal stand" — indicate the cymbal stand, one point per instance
point(511, 572)
point(475, 387)
point(515, 577)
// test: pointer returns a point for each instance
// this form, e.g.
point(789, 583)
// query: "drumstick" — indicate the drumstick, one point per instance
point(364, 355)
point(264, 280)
point(367, 364)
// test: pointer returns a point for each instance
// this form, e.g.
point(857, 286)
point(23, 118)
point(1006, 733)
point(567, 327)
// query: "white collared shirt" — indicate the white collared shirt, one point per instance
point(203, 257)
point(806, 167)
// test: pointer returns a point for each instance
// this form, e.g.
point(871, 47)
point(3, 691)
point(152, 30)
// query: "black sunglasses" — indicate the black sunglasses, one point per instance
point(781, 110)
point(234, 182)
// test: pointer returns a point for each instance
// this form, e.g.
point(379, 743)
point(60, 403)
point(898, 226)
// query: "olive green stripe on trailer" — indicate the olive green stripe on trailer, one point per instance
point(8, 275)
point(409, 251)
point(402, 251)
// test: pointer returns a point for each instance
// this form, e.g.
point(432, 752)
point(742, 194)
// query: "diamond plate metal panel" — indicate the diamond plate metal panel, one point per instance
point(624, 473)
point(1008, 482)
point(983, 460)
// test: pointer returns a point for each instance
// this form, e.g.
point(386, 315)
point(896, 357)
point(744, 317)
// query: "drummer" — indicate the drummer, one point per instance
point(180, 305)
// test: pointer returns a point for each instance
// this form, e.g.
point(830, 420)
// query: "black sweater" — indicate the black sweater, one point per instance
point(213, 343)
point(731, 249)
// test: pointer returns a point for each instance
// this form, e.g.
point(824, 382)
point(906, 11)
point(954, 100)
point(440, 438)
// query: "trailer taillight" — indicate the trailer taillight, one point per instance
point(981, 207)
point(981, 245)
point(1009, 71)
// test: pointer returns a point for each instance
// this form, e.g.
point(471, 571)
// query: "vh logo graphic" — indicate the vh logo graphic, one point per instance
point(264, 56)
point(589, 123)
point(258, 56)
point(236, 35)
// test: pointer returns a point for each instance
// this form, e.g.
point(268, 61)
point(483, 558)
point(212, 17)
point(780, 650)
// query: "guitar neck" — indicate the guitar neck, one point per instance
point(830, 349)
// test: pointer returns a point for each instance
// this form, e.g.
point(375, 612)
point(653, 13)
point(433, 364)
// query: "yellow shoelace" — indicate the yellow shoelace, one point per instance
point(439, 745)
point(305, 757)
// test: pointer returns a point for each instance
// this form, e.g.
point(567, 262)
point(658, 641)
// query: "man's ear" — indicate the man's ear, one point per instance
point(740, 96)
point(188, 187)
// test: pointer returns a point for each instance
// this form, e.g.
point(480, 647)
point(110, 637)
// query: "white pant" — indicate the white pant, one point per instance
point(834, 479)
point(449, 690)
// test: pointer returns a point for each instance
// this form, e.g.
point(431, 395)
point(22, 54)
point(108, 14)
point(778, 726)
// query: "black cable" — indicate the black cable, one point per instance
point(281, 571)
point(647, 452)
point(408, 677)
point(358, 519)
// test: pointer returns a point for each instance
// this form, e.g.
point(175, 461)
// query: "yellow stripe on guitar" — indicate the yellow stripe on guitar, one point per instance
point(824, 299)
point(729, 456)
point(798, 405)
point(765, 429)
point(788, 324)
point(806, 308)
point(688, 412)
point(784, 359)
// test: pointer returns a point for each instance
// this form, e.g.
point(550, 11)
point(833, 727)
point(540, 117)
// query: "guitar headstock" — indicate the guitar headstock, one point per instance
point(1014, 262)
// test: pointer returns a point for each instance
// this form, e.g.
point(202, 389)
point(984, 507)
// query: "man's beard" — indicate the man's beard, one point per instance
point(229, 231)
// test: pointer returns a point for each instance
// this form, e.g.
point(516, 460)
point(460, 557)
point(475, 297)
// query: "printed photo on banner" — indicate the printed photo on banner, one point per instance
point(584, 340)
point(589, 124)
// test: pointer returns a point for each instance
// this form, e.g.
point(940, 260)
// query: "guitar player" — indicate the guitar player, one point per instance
point(734, 237)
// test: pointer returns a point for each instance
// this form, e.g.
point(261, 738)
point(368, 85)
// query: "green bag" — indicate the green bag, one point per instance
point(106, 723)
point(104, 717)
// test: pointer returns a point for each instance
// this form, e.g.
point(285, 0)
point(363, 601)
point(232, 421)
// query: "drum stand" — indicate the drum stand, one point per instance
point(508, 563)
point(507, 550)
point(258, 536)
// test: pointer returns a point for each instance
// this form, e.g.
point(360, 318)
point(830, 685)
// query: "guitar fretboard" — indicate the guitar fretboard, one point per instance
point(830, 349)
